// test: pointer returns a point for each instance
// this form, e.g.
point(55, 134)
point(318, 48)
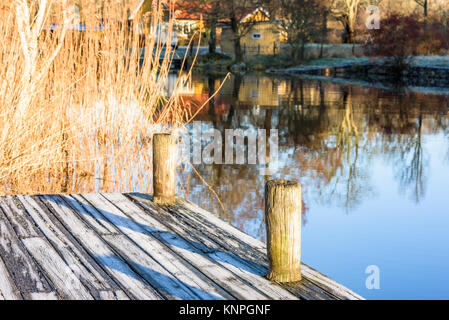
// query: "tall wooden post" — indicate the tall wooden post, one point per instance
point(283, 220)
point(164, 168)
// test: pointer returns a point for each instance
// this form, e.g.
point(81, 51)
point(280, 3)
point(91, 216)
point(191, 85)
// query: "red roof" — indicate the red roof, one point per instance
point(192, 10)
point(189, 10)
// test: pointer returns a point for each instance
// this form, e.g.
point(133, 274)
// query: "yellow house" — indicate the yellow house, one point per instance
point(262, 37)
point(254, 91)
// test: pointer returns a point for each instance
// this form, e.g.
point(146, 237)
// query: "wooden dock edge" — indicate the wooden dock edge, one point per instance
point(279, 260)
point(313, 286)
point(125, 246)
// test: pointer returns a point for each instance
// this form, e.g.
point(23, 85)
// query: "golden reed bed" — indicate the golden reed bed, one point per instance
point(76, 110)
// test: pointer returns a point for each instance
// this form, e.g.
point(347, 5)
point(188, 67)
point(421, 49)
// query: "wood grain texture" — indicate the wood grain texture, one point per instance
point(250, 252)
point(8, 290)
point(193, 234)
point(313, 285)
point(165, 152)
point(137, 229)
point(195, 254)
point(26, 275)
point(63, 278)
point(14, 211)
point(118, 247)
point(77, 259)
point(113, 264)
point(283, 221)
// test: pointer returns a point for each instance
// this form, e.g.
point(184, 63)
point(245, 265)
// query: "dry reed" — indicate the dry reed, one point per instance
point(77, 108)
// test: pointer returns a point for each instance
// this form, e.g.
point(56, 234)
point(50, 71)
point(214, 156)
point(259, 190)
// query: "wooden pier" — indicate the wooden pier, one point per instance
point(123, 246)
point(131, 246)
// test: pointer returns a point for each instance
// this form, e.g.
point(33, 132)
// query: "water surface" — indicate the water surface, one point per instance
point(373, 163)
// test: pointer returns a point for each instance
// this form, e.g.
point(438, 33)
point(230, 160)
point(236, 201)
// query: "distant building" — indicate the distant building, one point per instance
point(263, 37)
point(101, 15)
point(188, 20)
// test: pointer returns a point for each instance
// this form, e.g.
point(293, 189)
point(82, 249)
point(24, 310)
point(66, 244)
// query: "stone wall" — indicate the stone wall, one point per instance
point(427, 76)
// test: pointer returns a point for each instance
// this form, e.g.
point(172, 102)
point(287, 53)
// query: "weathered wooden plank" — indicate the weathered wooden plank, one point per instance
point(79, 261)
point(116, 267)
point(43, 296)
point(63, 278)
point(234, 247)
point(175, 287)
point(211, 235)
point(254, 251)
point(91, 215)
point(171, 223)
point(223, 239)
point(150, 270)
point(221, 276)
point(113, 295)
point(238, 287)
point(113, 246)
point(328, 284)
point(252, 276)
point(17, 216)
point(203, 287)
point(8, 290)
point(248, 272)
point(194, 231)
point(202, 217)
point(195, 258)
point(206, 217)
point(23, 271)
point(324, 285)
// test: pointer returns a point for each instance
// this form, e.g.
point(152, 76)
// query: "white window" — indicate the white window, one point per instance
point(254, 93)
point(257, 36)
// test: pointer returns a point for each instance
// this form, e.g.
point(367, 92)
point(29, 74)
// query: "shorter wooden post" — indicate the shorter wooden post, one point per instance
point(164, 168)
point(283, 221)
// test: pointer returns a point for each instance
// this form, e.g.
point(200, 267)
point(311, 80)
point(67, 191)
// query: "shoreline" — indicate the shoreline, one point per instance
point(374, 70)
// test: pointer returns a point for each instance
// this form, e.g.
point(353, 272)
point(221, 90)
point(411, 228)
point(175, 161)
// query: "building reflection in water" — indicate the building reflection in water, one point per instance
point(330, 136)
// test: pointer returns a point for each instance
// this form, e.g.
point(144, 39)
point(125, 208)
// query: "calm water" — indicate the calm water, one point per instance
point(374, 165)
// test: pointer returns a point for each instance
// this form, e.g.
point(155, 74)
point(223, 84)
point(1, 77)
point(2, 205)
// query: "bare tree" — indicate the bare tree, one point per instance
point(302, 22)
point(346, 12)
point(273, 7)
point(424, 4)
point(239, 20)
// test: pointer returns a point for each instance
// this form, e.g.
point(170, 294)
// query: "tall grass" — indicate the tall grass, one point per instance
point(76, 108)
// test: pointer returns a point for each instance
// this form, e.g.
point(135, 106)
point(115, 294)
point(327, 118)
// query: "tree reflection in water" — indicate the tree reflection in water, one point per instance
point(330, 136)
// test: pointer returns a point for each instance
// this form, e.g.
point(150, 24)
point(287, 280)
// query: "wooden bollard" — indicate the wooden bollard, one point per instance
point(165, 150)
point(283, 221)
